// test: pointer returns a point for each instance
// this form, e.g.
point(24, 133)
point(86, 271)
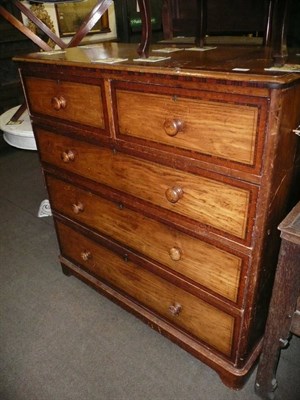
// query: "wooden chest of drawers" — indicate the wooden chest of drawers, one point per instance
point(167, 183)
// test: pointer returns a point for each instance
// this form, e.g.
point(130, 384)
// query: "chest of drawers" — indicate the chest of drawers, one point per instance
point(167, 183)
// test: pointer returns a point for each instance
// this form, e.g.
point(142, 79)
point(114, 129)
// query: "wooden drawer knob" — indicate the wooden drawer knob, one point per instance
point(174, 194)
point(173, 126)
point(86, 255)
point(175, 253)
point(77, 208)
point(59, 103)
point(68, 156)
point(175, 309)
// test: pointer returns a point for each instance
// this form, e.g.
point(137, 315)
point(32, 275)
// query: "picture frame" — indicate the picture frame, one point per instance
point(71, 15)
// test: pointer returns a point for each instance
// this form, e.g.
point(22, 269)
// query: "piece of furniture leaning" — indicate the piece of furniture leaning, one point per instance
point(276, 22)
point(284, 313)
point(167, 185)
point(202, 17)
point(95, 14)
point(220, 18)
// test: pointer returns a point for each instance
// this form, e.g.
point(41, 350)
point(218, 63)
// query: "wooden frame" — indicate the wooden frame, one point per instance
point(71, 15)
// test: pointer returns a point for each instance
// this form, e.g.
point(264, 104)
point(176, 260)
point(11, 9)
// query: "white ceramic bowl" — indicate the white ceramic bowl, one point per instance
point(19, 135)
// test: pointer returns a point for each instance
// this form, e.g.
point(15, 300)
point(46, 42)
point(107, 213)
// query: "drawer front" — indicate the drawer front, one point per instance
point(211, 267)
point(184, 310)
point(70, 101)
point(210, 202)
point(210, 127)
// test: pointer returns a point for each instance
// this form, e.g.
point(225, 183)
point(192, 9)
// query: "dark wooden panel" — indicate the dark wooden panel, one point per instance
point(12, 43)
point(223, 16)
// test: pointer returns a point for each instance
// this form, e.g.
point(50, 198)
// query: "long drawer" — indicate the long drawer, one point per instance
point(70, 101)
point(212, 267)
point(228, 129)
point(203, 321)
point(192, 196)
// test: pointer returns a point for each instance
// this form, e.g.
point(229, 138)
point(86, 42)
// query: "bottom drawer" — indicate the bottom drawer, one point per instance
point(198, 318)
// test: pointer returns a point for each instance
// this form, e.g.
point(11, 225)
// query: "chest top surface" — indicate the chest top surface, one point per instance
point(249, 64)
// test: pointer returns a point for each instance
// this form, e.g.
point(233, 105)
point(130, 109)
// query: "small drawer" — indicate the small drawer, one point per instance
point(227, 130)
point(208, 265)
point(70, 101)
point(195, 316)
point(210, 202)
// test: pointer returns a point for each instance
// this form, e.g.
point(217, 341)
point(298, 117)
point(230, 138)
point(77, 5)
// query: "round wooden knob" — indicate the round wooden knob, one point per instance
point(68, 156)
point(175, 309)
point(77, 208)
point(175, 253)
point(173, 126)
point(174, 194)
point(86, 255)
point(58, 103)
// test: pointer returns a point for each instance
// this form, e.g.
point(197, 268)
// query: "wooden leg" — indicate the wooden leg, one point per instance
point(18, 113)
point(143, 49)
point(88, 23)
point(267, 41)
point(283, 303)
point(167, 20)
point(23, 29)
point(202, 23)
point(43, 27)
point(279, 30)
